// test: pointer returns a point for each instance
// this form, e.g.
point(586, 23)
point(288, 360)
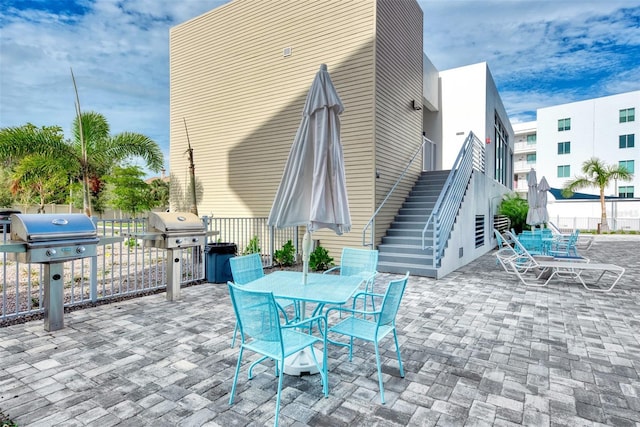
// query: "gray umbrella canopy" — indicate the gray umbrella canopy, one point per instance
point(543, 188)
point(313, 190)
point(532, 198)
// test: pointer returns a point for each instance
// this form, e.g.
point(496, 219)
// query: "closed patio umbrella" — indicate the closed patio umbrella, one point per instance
point(543, 188)
point(313, 189)
point(532, 199)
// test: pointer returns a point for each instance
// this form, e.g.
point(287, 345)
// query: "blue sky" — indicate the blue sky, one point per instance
point(541, 53)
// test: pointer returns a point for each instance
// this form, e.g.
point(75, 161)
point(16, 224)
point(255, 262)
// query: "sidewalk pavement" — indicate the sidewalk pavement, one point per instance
point(479, 349)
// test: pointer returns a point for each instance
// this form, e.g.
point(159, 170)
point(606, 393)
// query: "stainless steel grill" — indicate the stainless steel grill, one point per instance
point(52, 239)
point(174, 230)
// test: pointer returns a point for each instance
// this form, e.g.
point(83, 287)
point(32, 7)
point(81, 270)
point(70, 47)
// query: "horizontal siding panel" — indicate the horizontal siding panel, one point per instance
point(398, 81)
point(243, 101)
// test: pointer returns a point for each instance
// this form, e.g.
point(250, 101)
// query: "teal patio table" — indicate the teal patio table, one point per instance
point(320, 289)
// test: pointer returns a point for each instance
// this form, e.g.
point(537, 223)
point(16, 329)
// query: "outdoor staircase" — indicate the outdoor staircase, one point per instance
point(401, 248)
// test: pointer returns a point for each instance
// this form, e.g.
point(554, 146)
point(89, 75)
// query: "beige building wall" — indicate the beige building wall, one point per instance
point(242, 99)
point(399, 80)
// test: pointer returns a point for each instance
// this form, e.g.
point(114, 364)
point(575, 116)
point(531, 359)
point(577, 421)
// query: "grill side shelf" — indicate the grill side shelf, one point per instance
point(13, 247)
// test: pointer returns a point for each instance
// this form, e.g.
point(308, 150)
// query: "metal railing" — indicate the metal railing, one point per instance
point(249, 233)
point(471, 157)
point(370, 224)
point(126, 268)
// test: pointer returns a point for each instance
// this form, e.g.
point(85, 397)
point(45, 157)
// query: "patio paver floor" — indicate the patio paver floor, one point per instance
point(479, 349)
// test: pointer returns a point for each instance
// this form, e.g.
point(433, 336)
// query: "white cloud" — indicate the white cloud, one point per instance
point(119, 54)
point(541, 53)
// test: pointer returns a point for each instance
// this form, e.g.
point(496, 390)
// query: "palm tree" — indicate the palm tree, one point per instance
point(598, 175)
point(103, 151)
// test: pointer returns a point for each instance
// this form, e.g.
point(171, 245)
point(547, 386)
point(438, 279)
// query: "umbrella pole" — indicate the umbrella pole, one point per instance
point(303, 361)
point(306, 254)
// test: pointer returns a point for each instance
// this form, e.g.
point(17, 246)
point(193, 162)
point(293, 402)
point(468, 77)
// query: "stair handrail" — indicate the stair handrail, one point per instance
point(372, 219)
point(445, 210)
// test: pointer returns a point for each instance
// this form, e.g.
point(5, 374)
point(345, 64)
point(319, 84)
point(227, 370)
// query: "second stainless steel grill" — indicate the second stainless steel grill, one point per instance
point(173, 230)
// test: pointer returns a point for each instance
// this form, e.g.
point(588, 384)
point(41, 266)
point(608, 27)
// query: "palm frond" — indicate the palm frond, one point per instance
point(18, 142)
point(130, 144)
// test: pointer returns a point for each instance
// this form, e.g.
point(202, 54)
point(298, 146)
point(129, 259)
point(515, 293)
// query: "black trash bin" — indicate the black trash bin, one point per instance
point(217, 266)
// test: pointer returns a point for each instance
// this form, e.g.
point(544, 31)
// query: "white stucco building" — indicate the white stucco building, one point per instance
point(566, 135)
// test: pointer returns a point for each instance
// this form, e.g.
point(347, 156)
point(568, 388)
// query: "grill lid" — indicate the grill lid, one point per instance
point(33, 228)
point(175, 222)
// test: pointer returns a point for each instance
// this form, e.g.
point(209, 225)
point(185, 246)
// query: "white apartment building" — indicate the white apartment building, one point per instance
point(566, 135)
point(524, 154)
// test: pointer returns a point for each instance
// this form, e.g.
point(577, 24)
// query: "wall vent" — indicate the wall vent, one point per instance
point(287, 51)
point(479, 230)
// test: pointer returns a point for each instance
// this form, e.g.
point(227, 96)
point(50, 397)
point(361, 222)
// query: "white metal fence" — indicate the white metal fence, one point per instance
point(127, 268)
point(591, 224)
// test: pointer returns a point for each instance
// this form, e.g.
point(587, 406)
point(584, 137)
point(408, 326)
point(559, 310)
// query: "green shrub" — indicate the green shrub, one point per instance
point(285, 257)
point(320, 259)
point(253, 247)
point(516, 210)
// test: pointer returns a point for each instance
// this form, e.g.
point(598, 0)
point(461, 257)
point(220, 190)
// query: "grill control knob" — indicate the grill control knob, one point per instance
point(195, 239)
point(50, 252)
point(178, 241)
point(80, 249)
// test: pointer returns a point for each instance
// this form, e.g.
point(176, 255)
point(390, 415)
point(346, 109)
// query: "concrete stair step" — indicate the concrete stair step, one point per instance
point(415, 233)
point(425, 192)
point(431, 200)
point(415, 240)
point(409, 221)
point(401, 268)
point(418, 204)
point(400, 248)
point(424, 212)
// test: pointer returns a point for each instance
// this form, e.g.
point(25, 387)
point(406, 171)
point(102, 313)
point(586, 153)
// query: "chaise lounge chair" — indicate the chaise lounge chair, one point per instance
point(524, 265)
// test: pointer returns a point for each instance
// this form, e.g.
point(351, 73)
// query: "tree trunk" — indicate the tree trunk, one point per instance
point(604, 227)
point(86, 195)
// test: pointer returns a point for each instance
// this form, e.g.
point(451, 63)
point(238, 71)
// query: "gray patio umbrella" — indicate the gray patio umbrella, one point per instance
point(532, 198)
point(313, 190)
point(543, 188)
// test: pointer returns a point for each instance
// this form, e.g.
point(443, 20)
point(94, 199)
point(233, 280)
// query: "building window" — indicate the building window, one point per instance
point(531, 158)
point(564, 147)
point(625, 191)
point(531, 139)
point(627, 141)
point(564, 171)
point(627, 164)
point(564, 124)
point(627, 115)
point(503, 154)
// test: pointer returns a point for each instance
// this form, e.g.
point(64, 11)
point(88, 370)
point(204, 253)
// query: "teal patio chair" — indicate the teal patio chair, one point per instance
point(358, 262)
point(565, 247)
point(262, 333)
point(247, 268)
point(384, 324)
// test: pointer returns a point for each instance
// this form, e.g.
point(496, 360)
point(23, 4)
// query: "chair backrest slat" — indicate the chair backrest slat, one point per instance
point(246, 268)
point(391, 301)
point(356, 261)
point(256, 313)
